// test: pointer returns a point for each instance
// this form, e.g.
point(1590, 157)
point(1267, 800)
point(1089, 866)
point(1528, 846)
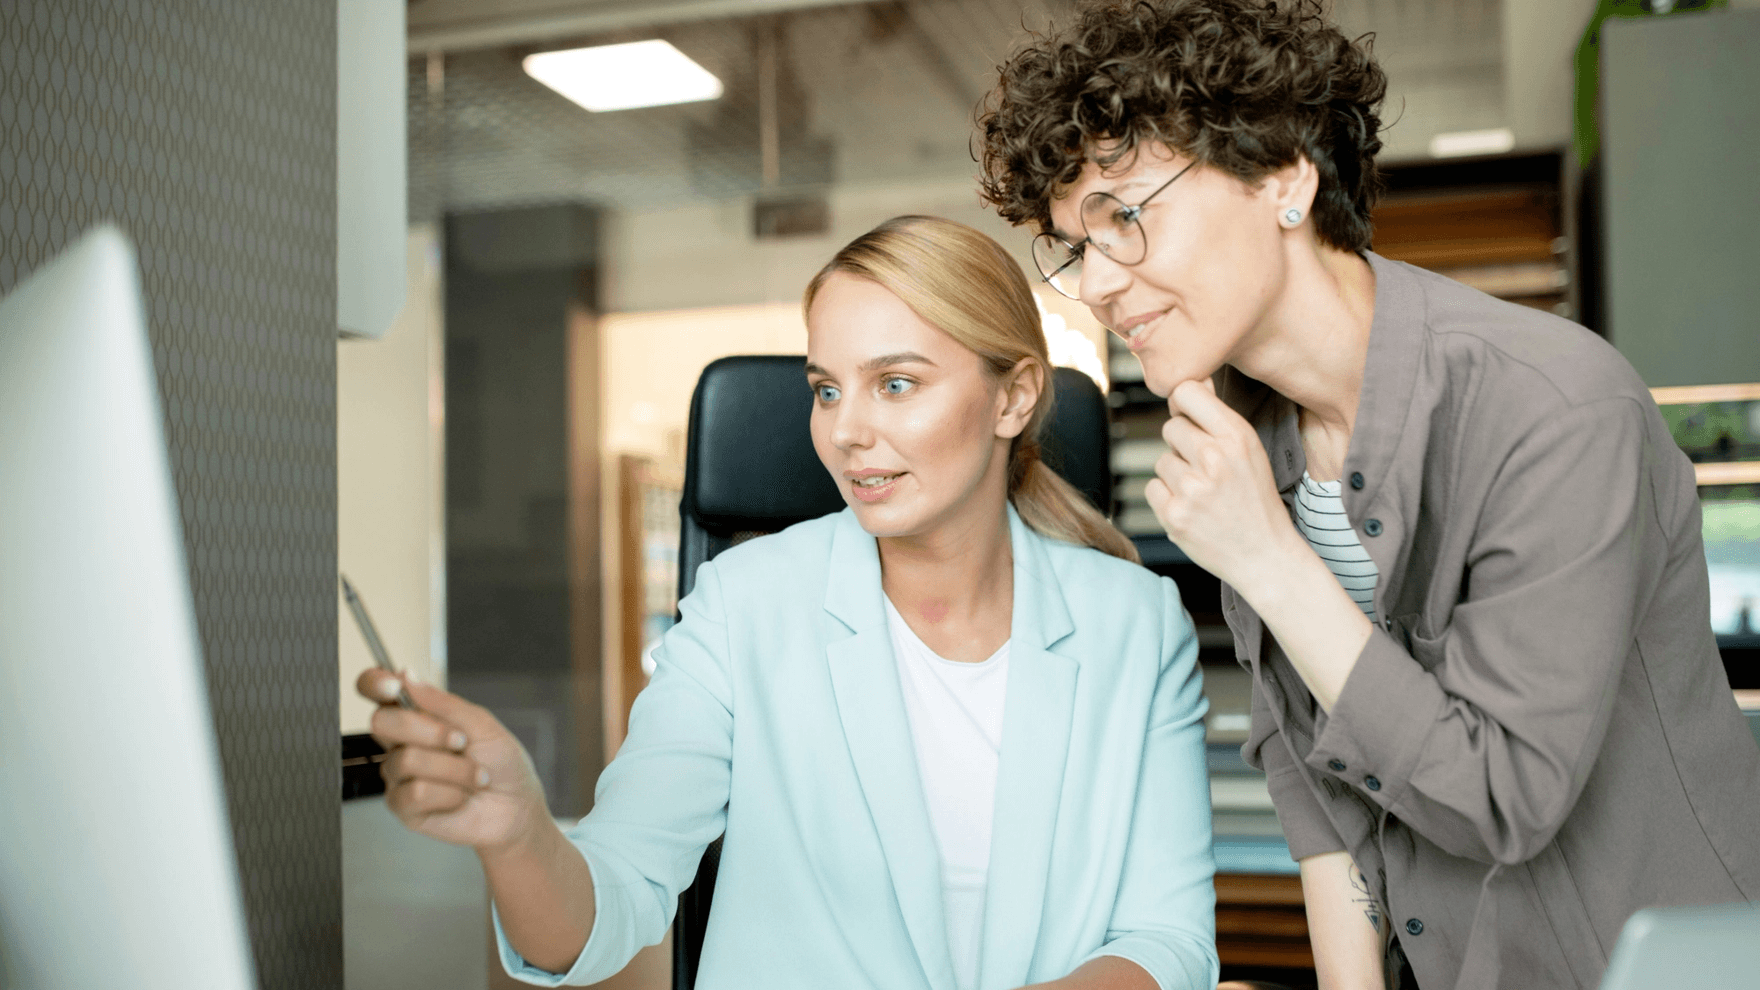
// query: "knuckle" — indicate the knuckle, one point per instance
point(396, 768)
point(408, 761)
point(421, 729)
point(420, 792)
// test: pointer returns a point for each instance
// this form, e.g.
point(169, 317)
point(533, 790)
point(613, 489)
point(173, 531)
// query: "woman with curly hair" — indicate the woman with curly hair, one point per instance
point(1460, 551)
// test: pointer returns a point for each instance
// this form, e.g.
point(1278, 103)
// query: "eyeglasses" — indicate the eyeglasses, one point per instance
point(1110, 225)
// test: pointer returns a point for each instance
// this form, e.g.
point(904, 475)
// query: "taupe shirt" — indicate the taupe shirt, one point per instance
point(1539, 738)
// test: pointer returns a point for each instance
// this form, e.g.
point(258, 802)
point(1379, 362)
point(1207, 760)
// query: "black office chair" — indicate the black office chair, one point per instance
point(750, 469)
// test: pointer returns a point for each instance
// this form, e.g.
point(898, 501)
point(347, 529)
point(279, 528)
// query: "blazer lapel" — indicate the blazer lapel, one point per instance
point(1036, 723)
point(870, 705)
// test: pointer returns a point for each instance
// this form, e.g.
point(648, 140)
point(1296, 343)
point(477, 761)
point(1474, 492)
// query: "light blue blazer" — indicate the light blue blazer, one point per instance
point(775, 716)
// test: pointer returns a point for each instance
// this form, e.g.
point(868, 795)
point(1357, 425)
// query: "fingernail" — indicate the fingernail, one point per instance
point(482, 776)
point(409, 675)
point(457, 740)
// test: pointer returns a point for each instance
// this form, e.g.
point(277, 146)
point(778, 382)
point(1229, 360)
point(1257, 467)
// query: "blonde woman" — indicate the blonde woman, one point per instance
point(953, 734)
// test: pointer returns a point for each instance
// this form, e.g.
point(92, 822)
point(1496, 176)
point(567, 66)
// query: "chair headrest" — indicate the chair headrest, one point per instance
point(1077, 439)
point(750, 464)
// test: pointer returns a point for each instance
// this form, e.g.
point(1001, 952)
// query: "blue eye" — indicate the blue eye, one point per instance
point(903, 385)
point(826, 393)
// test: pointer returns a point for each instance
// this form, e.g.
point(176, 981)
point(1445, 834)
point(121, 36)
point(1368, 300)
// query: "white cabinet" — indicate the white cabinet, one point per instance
point(372, 201)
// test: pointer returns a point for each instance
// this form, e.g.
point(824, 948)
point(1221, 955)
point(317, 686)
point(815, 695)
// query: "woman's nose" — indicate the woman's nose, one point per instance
point(850, 429)
point(1102, 280)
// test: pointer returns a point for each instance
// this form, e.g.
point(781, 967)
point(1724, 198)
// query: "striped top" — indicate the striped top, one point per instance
point(1321, 520)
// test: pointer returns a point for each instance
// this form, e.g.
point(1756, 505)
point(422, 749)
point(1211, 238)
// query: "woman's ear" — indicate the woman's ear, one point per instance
point(1021, 388)
point(1290, 192)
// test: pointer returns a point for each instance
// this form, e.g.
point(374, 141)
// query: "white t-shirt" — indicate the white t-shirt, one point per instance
point(955, 712)
point(1321, 520)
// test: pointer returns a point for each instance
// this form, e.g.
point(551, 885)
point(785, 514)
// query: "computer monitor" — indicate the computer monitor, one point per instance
point(1686, 947)
point(116, 859)
point(1732, 557)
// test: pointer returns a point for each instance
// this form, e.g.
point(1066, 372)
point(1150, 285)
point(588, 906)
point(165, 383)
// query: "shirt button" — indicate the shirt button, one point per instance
point(1357, 480)
point(1336, 766)
point(1387, 623)
point(1415, 927)
point(1372, 783)
point(1372, 527)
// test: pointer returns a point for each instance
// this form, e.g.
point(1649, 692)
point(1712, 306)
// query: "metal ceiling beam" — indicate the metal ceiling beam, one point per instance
point(581, 18)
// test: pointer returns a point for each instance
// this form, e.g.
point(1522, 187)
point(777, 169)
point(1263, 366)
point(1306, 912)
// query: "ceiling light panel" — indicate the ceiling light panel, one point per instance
point(624, 77)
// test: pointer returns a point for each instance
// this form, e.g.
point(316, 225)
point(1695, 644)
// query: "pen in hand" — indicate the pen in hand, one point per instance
point(374, 646)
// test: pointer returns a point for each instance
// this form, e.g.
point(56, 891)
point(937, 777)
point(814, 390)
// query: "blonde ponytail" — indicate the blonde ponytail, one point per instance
point(1053, 507)
point(967, 285)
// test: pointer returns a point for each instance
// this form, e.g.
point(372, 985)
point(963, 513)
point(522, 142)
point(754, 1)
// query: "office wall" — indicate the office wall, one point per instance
point(705, 254)
point(390, 516)
point(206, 130)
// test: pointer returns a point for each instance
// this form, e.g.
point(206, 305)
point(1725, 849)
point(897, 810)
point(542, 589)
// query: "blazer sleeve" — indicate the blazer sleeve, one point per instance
point(1485, 753)
point(1165, 917)
point(661, 801)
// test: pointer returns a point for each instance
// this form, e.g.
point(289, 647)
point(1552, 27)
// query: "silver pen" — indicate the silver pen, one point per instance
point(371, 635)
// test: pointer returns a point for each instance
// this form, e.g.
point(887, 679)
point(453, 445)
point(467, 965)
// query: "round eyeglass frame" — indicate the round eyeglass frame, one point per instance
point(1060, 262)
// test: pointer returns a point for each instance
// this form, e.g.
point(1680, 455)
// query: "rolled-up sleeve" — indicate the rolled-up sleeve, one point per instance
point(1486, 751)
point(1303, 819)
point(1306, 828)
point(1164, 919)
point(660, 802)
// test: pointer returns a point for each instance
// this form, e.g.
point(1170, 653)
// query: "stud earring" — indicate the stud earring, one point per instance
point(1292, 216)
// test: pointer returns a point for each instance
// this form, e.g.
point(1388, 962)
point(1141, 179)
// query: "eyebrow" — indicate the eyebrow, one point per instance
point(883, 361)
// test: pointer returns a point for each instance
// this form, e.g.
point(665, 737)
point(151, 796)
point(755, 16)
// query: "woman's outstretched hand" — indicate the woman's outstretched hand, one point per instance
point(453, 772)
point(1214, 494)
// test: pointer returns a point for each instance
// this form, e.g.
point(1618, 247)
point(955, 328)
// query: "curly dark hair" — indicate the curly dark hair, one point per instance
point(1245, 86)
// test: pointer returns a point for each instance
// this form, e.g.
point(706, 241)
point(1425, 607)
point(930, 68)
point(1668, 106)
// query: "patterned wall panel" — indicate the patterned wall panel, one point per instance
point(206, 129)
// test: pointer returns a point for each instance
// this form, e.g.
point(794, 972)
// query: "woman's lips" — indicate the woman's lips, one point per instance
point(875, 492)
point(1136, 331)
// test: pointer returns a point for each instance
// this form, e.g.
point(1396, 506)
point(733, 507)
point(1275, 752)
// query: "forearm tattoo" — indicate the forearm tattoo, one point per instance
point(1363, 898)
